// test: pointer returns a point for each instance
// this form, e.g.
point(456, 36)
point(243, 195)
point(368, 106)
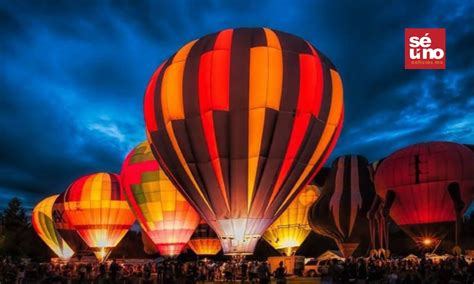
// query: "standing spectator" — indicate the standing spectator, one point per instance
point(228, 271)
point(88, 271)
point(361, 272)
point(168, 274)
point(280, 274)
point(243, 271)
point(392, 277)
point(190, 274)
point(147, 271)
point(102, 272)
point(211, 270)
point(21, 274)
point(114, 269)
point(263, 273)
point(82, 273)
point(253, 272)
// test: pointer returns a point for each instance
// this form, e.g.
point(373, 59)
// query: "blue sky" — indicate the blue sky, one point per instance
point(74, 74)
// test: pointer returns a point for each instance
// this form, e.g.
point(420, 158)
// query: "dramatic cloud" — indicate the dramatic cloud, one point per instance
point(74, 73)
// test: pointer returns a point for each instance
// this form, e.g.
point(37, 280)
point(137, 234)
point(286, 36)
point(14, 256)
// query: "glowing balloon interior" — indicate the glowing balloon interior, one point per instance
point(98, 211)
point(42, 221)
point(427, 187)
point(163, 213)
point(289, 230)
point(204, 240)
point(241, 120)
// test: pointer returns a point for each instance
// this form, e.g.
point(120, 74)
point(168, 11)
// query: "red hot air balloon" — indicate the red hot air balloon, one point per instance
point(426, 187)
point(341, 210)
point(241, 120)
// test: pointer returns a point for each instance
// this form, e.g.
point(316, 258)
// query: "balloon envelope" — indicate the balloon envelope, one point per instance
point(289, 230)
point(97, 209)
point(163, 213)
point(204, 240)
point(149, 246)
point(65, 227)
point(341, 210)
point(241, 120)
point(42, 221)
point(420, 176)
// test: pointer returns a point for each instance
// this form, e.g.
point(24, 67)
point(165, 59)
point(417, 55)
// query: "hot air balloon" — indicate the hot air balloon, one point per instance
point(341, 210)
point(96, 208)
point(204, 241)
point(289, 230)
point(42, 221)
point(163, 213)
point(241, 120)
point(66, 229)
point(427, 187)
point(149, 246)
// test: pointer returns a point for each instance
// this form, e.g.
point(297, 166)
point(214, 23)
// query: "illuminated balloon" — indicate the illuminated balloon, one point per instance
point(66, 229)
point(163, 213)
point(204, 241)
point(42, 221)
point(426, 188)
point(341, 210)
point(289, 231)
point(97, 209)
point(241, 120)
point(149, 246)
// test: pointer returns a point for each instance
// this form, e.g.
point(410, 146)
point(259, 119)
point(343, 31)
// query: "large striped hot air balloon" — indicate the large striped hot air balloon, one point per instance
point(66, 229)
point(163, 213)
point(426, 188)
point(241, 120)
point(204, 240)
point(97, 209)
point(289, 230)
point(341, 210)
point(42, 221)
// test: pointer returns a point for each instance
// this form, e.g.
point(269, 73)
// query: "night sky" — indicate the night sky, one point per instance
point(73, 75)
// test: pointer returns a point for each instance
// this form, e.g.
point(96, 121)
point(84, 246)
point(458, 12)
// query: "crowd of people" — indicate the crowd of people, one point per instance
point(399, 271)
point(151, 272)
point(362, 270)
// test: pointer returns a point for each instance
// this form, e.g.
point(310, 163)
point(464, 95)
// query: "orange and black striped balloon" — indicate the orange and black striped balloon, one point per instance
point(241, 120)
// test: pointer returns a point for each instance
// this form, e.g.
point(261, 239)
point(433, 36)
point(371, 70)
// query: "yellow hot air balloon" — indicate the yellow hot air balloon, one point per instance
point(289, 231)
point(96, 207)
point(43, 224)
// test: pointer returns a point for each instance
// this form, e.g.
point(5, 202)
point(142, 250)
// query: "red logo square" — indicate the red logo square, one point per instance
point(425, 48)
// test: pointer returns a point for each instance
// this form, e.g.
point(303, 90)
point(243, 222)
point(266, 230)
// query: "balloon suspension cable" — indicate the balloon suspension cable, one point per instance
point(288, 251)
point(103, 254)
point(436, 247)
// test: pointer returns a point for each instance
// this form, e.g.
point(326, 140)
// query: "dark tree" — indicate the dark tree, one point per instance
point(14, 217)
point(17, 236)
